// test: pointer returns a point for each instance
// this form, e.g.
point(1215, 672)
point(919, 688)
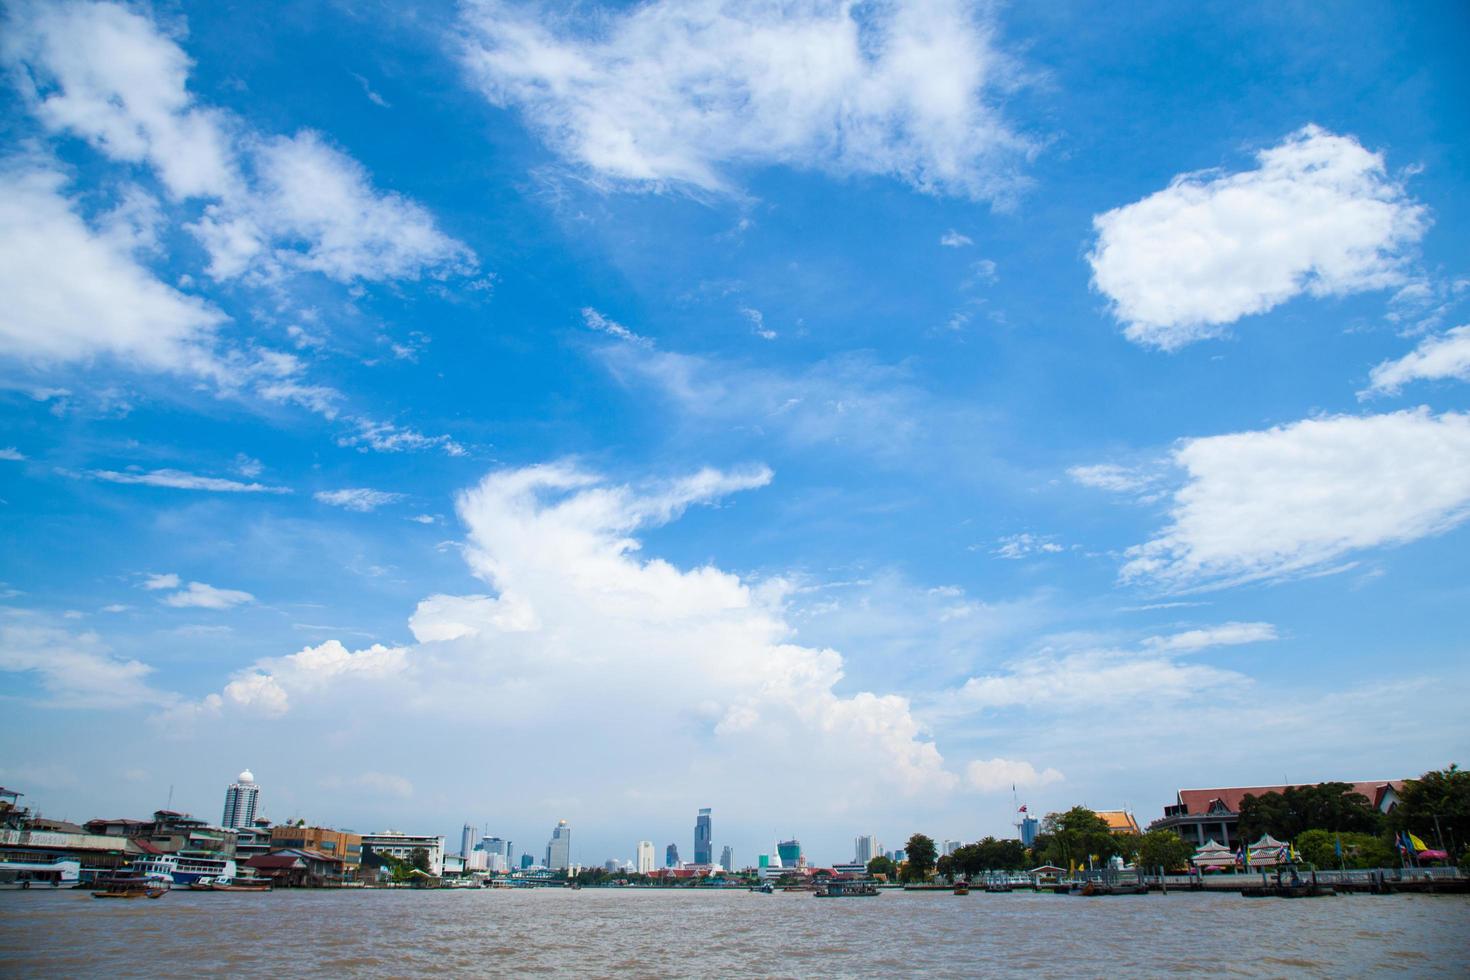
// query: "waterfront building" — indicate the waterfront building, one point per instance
point(340, 844)
point(240, 801)
point(645, 857)
point(295, 867)
point(863, 849)
point(1029, 826)
point(1201, 815)
point(497, 854)
point(478, 860)
point(790, 852)
point(559, 848)
point(1119, 822)
point(467, 840)
point(399, 845)
point(252, 840)
point(763, 861)
point(671, 856)
point(727, 858)
point(703, 837)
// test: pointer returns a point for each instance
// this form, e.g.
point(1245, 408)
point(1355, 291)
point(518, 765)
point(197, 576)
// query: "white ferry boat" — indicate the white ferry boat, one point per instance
point(181, 869)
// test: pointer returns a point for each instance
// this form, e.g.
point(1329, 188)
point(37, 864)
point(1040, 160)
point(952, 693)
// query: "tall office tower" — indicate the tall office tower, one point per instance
point(559, 849)
point(727, 858)
point(240, 800)
point(497, 856)
point(467, 840)
point(527, 861)
point(862, 849)
point(1029, 826)
point(645, 856)
point(950, 846)
point(510, 854)
point(704, 837)
point(790, 852)
point(671, 856)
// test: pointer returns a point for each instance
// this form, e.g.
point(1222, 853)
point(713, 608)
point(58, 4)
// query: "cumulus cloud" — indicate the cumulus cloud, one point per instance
point(1299, 497)
point(1443, 356)
point(1319, 215)
point(197, 595)
point(576, 616)
point(11, 454)
point(166, 580)
point(74, 293)
point(180, 480)
point(682, 93)
point(108, 74)
point(953, 239)
point(996, 775)
point(360, 499)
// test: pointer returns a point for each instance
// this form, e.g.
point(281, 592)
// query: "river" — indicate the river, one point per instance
point(646, 932)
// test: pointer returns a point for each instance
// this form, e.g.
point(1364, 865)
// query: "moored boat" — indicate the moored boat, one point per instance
point(962, 888)
point(131, 886)
point(848, 888)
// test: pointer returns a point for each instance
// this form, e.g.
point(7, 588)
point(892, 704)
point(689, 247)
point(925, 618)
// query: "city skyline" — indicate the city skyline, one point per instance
point(956, 406)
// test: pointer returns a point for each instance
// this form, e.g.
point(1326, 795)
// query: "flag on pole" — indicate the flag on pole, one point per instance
point(1337, 847)
point(1416, 843)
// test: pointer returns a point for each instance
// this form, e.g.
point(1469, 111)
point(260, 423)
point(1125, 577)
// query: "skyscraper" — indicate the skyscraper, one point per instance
point(704, 837)
point(240, 800)
point(790, 852)
point(671, 856)
point(727, 858)
point(645, 856)
point(559, 848)
point(467, 840)
point(1029, 826)
point(863, 849)
point(950, 846)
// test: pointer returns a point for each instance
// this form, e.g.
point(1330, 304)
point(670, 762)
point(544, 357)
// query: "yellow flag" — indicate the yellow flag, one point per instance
point(1419, 845)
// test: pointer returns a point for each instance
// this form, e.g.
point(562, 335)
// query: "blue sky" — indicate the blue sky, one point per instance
point(510, 412)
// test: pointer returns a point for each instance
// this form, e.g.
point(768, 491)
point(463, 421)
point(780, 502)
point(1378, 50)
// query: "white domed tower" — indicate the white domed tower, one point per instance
point(240, 801)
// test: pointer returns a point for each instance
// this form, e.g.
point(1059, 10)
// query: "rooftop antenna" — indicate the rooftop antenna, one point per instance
point(170, 804)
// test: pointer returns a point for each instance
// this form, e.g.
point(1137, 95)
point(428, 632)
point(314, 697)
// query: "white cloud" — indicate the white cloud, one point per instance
point(76, 669)
point(73, 293)
point(953, 239)
point(267, 687)
point(1318, 216)
point(996, 775)
point(11, 454)
point(1115, 478)
point(681, 93)
point(247, 466)
point(1444, 356)
point(1050, 682)
point(179, 480)
point(1296, 498)
point(1024, 545)
point(1226, 634)
point(107, 73)
point(387, 437)
point(360, 499)
point(200, 596)
point(424, 519)
point(758, 323)
point(577, 616)
point(596, 321)
point(166, 580)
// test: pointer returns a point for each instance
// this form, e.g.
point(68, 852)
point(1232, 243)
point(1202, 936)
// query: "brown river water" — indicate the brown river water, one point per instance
point(663, 933)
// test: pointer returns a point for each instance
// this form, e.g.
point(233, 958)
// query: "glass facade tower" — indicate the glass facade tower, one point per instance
point(704, 848)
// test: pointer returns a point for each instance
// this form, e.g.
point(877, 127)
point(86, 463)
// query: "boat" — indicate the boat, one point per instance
point(184, 869)
point(131, 886)
point(766, 889)
point(223, 884)
point(848, 888)
point(23, 875)
point(962, 888)
point(997, 887)
point(1304, 889)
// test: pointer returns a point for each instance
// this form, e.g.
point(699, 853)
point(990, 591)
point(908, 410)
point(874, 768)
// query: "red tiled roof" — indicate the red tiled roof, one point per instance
point(267, 862)
point(1198, 800)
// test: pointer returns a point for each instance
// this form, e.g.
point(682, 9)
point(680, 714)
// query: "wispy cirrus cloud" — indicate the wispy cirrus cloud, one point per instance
point(181, 480)
point(360, 499)
point(1442, 357)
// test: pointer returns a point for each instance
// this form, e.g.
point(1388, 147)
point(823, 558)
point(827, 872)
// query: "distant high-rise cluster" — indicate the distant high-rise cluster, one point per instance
point(727, 858)
point(864, 849)
point(240, 801)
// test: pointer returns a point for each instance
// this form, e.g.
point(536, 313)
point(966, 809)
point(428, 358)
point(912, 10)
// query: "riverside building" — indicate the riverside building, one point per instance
point(401, 846)
point(240, 801)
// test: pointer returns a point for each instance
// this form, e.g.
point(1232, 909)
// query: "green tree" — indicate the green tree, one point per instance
point(418, 859)
point(881, 865)
point(1326, 806)
point(1163, 849)
point(921, 855)
point(1319, 848)
point(945, 867)
point(1436, 808)
point(1076, 837)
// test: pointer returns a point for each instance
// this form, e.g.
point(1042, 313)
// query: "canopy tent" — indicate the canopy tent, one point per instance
point(1268, 852)
point(1213, 854)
